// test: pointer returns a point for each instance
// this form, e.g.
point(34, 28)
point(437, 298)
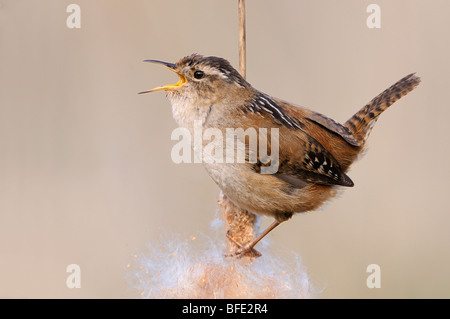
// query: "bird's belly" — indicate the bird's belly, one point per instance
point(265, 194)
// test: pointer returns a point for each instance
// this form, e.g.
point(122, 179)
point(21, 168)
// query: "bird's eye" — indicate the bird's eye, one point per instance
point(199, 75)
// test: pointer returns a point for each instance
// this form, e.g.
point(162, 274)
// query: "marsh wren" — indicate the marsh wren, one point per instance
point(314, 151)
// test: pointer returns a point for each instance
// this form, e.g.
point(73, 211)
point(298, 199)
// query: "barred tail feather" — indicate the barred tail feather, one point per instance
point(363, 121)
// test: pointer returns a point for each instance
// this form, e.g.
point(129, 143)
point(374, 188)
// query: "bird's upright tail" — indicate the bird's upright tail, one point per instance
point(363, 121)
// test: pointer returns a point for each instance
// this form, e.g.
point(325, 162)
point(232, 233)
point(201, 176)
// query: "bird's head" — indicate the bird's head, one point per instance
point(203, 80)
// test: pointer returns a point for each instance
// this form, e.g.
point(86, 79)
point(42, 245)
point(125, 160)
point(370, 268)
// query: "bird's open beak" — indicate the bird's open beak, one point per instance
point(170, 87)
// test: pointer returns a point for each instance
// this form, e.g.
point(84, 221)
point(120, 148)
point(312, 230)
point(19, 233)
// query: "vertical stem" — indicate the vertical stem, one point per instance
point(242, 39)
point(240, 225)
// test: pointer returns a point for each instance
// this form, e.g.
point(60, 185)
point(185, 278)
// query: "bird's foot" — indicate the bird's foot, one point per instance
point(243, 250)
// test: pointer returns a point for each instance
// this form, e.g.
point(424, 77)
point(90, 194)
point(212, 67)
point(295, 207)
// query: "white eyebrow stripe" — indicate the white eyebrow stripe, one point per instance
point(211, 70)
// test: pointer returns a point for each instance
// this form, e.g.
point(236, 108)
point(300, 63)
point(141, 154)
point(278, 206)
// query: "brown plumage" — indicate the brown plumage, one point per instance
point(314, 151)
point(363, 121)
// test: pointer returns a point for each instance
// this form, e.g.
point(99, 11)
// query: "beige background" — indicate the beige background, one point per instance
point(85, 169)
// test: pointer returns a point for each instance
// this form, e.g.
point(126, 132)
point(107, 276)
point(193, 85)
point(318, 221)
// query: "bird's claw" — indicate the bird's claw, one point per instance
point(243, 250)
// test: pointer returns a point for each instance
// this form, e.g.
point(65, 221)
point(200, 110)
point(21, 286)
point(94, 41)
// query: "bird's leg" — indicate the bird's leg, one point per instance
point(248, 248)
point(242, 251)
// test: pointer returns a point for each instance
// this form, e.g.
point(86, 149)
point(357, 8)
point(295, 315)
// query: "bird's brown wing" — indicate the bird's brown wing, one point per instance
point(334, 127)
point(302, 159)
point(307, 160)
